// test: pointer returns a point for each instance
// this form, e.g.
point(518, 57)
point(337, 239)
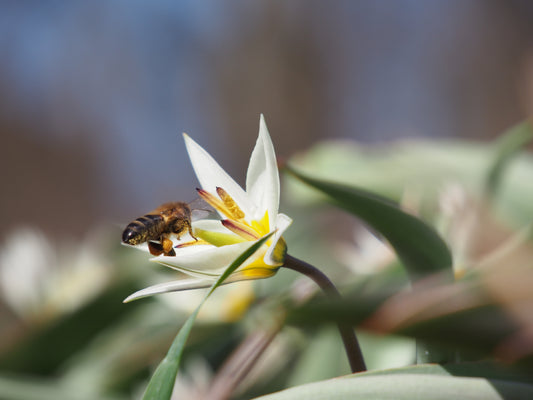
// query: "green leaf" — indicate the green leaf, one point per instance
point(321, 358)
point(425, 166)
point(456, 316)
point(162, 382)
point(408, 386)
point(487, 370)
point(21, 387)
point(418, 245)
point(512, 141)
point(51, 344)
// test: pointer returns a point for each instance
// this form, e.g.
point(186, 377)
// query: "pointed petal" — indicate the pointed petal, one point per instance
point(262, 179)
point(203, 261)
point(210, 175)
point(190, 284)
point(173, 286)
point(282, 223)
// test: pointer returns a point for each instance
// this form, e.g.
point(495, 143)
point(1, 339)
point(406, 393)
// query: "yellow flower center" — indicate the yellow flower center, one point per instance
point(241, 231)
point(235, 222)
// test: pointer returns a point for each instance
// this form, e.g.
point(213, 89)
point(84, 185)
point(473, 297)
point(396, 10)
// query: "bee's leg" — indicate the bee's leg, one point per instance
point(189, 228)
point(155, 248)
point(167, 245)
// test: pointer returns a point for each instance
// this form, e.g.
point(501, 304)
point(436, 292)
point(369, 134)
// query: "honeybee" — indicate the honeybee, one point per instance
point(157, 226)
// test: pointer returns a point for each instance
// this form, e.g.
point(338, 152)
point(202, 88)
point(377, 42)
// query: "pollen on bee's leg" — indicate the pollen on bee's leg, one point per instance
point(167, 244)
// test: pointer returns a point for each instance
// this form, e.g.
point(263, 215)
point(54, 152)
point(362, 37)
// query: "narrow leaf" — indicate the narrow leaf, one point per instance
point(162, 382)
point(512, 141)
point(417, 244)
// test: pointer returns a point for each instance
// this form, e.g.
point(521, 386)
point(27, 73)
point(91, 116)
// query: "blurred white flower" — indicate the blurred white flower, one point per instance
point(38, 281)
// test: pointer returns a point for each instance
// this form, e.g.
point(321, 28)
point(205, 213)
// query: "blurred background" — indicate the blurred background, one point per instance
point(94, 96)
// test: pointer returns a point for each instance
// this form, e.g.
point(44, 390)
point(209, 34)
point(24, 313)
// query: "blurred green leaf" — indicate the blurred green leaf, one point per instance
point(507, 146)
point(162, 382)
point(29, 388)
point(321, 359)
point(418, 245)
point(46, 348)
point(386, 351)
point(455, 316)
point(408, 383)
point(124, 353)
point(421, 167)
point(486, 370)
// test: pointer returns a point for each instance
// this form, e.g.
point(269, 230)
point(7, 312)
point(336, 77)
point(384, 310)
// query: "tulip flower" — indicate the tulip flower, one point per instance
point(245, 217)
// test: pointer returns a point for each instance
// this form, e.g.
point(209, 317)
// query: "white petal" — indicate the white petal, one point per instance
point(204, 260)
point(165, 287)
point(141, 246)
point(184, 284)
point(185, 238)
point(211, 175)
point(213, 225)
point(262, 178)
point(282, 223)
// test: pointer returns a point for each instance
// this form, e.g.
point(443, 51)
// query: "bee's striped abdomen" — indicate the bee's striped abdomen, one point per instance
point(147, 227)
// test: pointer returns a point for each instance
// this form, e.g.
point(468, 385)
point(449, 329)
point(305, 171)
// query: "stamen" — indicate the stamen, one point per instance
point(235, 210)
point(240, 229)
point(191, 243)
point(214, 202)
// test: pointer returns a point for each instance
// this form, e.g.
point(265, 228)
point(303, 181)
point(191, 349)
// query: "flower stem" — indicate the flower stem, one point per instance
point(351, 344)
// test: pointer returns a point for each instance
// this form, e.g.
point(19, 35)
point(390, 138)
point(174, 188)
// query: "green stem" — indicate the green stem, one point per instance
point(351, 345)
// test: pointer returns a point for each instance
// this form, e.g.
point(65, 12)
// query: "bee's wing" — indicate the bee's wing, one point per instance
point(201, 210)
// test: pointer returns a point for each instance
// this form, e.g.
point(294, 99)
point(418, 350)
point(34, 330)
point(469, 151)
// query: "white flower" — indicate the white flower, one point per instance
point(40, 281)
point(247, 215)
